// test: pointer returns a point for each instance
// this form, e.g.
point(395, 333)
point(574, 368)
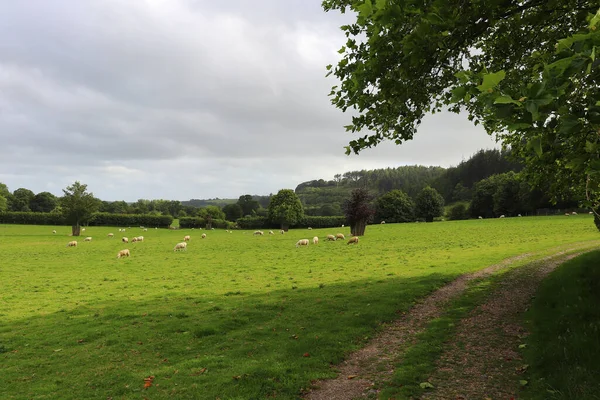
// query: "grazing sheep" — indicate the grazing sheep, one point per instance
point(340, 236)
point(111, 235)
point(502, 216)
point(316, 240)
point(145, 229)
point(342, 225)
point(353, 239)
point(124, 240)
point(82, 229)
point(383, 222)
point(72, 243)
point(259, 233)
point(134, 240)
point(573, 213)
point(123, 253)
point(302, 242)
point(282, 231)
point(140, 238)
point(591, 212)
point(88, 239)
point(203, 236)
point(309, 228)
point(180, 246)
point(480, 217)
point(567, 214)
point(271, 233)
point(519, 215)
point(54, 231)
point(331, 238)
point(186, 238)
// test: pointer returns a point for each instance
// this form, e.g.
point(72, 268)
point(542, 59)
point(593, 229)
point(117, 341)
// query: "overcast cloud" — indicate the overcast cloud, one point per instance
point(179, 99)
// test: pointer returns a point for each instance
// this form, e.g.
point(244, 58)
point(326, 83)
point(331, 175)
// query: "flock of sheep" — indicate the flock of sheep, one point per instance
point(182, 246)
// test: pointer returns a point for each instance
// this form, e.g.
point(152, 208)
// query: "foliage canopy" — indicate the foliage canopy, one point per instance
point(285, 208)
point(78, 205)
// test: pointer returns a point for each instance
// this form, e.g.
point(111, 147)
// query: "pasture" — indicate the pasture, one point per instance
point(235, 316)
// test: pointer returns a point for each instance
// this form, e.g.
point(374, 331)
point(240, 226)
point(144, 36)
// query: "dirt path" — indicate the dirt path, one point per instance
point(483, 360)
point(375, 362)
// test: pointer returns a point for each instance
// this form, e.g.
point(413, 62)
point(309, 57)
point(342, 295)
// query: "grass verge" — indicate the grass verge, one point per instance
point(563, 349)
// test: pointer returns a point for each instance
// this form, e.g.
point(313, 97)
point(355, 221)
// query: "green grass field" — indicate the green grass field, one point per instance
point(236, 316)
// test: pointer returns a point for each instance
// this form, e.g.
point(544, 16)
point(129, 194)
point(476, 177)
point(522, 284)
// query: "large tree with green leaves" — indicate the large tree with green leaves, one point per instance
point(525, 69)
point(285, 208)
point(395, 206)
point(21, 199)
point(429, 204)
point(43, 202)
point(78, 205)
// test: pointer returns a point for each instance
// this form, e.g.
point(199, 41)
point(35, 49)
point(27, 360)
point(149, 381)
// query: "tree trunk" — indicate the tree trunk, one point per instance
point(358, 228)
point(76, 230)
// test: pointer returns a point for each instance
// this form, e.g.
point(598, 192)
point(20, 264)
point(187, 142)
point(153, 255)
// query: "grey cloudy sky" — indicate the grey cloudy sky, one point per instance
point(180, 99)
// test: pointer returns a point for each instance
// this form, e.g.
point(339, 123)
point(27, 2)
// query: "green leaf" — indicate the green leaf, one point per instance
point(343, 49)
point(458, 94)
point(522, 346)
point(490, 81)
point(463, 76)
point(595, 20)
point(506, 100)
point(426, 385)
point(536, 145)
point(523, 382)
point(380, 4)
point(591, 147)
point(598, 103)
point(366, 9)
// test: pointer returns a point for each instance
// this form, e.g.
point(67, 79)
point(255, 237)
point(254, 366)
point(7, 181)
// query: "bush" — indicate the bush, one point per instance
point(321, 222)
point(253, 223)
point(147, 220)
point(32, 218)
point(192, 222)
point(458, 212)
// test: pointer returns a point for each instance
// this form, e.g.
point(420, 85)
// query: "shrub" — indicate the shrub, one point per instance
point(457, 212)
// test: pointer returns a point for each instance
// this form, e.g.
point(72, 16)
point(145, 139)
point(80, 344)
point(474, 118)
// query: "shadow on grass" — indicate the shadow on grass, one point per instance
point(232, 346)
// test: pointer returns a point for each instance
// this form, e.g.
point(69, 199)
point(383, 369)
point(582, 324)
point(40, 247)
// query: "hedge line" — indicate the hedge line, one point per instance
point(307, 221)
point(198, 222)
point(98, 219)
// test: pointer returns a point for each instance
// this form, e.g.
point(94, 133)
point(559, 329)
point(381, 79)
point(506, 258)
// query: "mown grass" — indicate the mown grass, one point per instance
point(236, 316)
point(563, 350)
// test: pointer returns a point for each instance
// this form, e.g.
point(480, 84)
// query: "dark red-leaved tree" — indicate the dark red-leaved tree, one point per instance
point(359, 211)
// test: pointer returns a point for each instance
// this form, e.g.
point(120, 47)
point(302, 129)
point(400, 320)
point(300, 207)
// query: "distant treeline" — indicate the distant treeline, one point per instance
point(488, 184)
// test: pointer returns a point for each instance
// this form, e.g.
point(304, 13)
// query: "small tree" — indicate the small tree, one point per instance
point(457, 212)
point(429, 204)
point(285, 208)
point(78, 205)
point(358, 211)
point(395, 206)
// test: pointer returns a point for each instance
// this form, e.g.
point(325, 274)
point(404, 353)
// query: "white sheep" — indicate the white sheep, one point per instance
point(111, 235)
point(340, 236)
point(567, 214)
point(88, 239)
point(502, 216)
point(519, 215)
point(282, 231)
point(82, 229)
point(54, 231)
point(72, 243)
point(180, 246)
point(480, 217)
point(186, 238)
point(302, 242)
point(309, 228)
point(140, 238)
point(342, 225)
point(145, 229)
point(259, 233)
point(123, 253)
point(203, 236)
point(383, 222)
point(316, 240)
point(331, 238)
point(271, 233)
point(573, 213)
point(124, 239)
point(353, 239)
